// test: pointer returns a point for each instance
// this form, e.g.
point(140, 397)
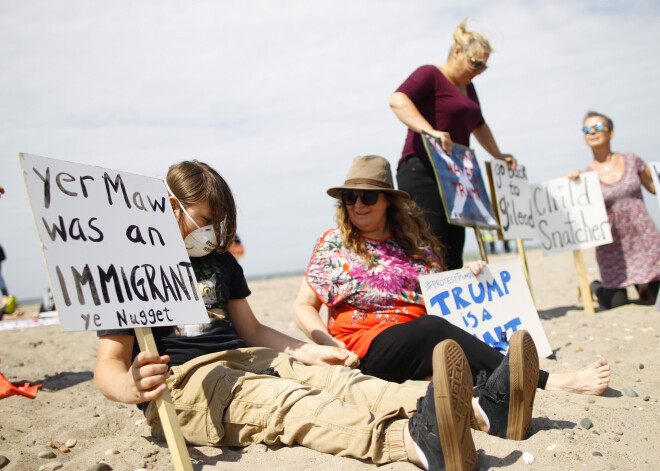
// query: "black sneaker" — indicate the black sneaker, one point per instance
point(441, 425)
point(507, 396)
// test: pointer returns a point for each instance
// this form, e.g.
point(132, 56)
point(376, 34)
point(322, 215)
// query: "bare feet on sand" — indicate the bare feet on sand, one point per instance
point(592, 380)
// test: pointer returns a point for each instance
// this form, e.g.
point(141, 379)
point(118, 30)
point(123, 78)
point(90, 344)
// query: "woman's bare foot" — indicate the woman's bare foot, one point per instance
point(592, 380)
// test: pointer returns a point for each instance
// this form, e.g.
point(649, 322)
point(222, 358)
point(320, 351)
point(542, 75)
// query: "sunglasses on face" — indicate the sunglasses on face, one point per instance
point(596, 127)
point(368, 197)
point(477, 65)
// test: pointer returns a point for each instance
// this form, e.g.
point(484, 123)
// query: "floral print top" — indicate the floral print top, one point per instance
point(634, 255)
point(362, 300)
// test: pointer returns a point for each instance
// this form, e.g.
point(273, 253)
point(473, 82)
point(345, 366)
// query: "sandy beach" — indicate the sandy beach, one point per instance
point(69, 407)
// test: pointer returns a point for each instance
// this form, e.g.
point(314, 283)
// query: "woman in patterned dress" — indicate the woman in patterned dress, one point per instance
point(366, 271)
point(633, 258)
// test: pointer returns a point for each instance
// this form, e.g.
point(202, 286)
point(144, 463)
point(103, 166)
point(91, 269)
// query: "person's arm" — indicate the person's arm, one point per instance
point(487, 141)
point(122, 381)
point(647, 179)
point(404, 109)
point(306, 315)
point(255, 334)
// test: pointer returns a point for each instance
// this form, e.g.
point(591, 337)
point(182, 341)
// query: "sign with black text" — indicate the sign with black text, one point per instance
point(570, 214)
point(496, 301)
point(113, 249)
point(513, 201)
point(461, 185)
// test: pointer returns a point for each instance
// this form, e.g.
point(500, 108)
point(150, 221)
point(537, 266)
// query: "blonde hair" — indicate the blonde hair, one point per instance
point(469, 40)
point(406, 223)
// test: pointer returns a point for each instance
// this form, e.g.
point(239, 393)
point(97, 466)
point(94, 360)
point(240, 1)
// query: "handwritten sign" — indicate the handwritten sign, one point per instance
point(113, 249)
point(655, 173)
point(513, 201)
point(496, 301)
point(461, 185)
point(570, 214)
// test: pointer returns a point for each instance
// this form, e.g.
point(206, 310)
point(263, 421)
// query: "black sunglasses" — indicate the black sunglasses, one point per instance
point(477, 65)
point(368, 197)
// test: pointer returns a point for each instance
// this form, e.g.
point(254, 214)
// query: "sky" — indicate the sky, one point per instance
point(280, 96)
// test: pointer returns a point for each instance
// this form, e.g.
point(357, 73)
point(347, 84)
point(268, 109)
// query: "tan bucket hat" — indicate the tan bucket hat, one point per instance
point(368, 172)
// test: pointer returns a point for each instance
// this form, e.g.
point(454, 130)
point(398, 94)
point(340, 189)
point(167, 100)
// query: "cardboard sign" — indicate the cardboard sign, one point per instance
point(113, 249)
point(655, 173)
point(461, 185)
point(496, 301)
point(513, 201)
point(570, 214)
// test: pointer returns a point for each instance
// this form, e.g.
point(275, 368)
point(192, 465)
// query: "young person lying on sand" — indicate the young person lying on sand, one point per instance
point(235, 381)
point(367, 272)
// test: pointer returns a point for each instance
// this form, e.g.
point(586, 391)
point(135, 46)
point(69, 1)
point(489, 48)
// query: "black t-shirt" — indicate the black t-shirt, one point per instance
point(220, 278)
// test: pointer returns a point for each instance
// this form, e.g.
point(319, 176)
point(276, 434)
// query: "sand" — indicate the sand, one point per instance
point(622, 435)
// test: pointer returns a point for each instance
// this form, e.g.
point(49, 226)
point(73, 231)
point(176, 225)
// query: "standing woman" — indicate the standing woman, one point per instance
point(442, 101)
point(633, 257)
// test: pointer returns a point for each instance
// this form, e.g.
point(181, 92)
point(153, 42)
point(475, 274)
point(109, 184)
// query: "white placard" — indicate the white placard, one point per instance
point(570, 214)
point(113, 249)
point(496, 301)
point(513, 200)
point(655, 173)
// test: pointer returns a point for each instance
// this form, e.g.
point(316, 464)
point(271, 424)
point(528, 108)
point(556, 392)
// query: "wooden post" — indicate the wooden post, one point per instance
point(166, 412)
point(523, 261)
point(482, 247)
point(585, 291)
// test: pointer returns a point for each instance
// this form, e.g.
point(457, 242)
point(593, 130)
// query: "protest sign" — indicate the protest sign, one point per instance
point(113, 249)
point(570, 214)
point(496, 301)
point(461, 185)
point(513, 201)
point(655, 173)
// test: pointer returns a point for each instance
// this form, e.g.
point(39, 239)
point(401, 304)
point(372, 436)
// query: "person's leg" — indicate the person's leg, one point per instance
point(609, 298)
point(416, 178)
point(404, 351)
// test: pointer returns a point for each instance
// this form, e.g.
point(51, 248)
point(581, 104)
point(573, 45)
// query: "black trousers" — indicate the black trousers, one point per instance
point(416, 177)
point(404, 351)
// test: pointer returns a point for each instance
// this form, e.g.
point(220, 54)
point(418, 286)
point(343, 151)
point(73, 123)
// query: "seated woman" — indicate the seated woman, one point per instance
point(633, 257)
point(366, 271)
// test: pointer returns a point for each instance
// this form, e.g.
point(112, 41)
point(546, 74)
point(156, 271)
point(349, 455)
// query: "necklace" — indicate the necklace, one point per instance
point(610, 160)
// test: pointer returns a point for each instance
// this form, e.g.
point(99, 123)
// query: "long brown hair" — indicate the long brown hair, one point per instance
point(195, 182)
point(407, 225)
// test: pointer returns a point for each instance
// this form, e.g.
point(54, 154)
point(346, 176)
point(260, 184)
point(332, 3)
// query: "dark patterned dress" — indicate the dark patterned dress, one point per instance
point(634, 255)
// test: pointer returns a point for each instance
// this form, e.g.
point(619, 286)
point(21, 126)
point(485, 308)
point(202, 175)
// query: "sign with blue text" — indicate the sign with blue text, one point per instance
point(570, 214)
point(513, 201)
point(496, 301)
point(113, 249)
point(461, 185)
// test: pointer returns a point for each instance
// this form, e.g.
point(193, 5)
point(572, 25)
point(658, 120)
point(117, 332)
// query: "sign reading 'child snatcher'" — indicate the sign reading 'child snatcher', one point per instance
point(113, 250)
point(513, 201)
point(461, 185)
point(570, 214)
point(496, 301)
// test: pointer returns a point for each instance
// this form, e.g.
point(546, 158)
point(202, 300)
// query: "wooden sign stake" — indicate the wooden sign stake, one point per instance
point(482, 247)
point(166, 412)
point(585, 291)
point(523, 260)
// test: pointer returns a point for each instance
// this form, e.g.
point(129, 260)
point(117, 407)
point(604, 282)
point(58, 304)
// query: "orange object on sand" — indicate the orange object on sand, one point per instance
point(8, 388)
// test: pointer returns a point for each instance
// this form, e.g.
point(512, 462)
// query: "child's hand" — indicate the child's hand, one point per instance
point(324, 355)
point(147, 376)
point(475, 267)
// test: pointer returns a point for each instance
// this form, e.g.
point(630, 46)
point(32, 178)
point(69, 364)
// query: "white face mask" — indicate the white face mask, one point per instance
point(202, 241)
